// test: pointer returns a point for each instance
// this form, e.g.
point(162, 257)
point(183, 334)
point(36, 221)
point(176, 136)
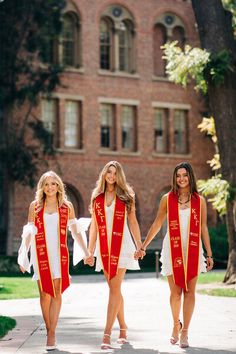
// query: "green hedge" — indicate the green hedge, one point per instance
point(6, 324)
point(219, 244)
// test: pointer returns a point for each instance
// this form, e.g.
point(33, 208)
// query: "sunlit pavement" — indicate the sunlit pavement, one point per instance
point(82, 319)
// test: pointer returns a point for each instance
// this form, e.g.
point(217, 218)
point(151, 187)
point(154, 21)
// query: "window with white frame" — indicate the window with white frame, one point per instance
point(107, 126)
point(128, 128)
point(105, 43)
point(72, 134)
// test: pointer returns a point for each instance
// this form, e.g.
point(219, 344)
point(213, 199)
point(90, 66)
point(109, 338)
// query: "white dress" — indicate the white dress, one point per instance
point(165, 259)
point(126, 259)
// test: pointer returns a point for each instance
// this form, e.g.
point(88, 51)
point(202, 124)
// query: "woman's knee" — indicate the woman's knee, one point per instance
point(175, 295)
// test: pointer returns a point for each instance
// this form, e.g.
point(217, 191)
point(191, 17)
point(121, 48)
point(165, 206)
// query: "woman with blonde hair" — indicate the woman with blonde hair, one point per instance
point(45, 236)
point(182, 253)
point(113, 222)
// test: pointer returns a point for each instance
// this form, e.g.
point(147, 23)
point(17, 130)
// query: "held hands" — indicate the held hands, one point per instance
point(139, 253)
point(89, 260)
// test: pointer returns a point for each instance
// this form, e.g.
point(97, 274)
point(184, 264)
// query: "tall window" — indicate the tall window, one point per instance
point(168, 27)
point(125, 46)
point(117, 40)
point(107, 126)
point(160, 130)
point(50, 119)
point(105, 44)
point(72, 125)
point(160, 38)
point(68, 40)
point(128, 128)
point(180, 131)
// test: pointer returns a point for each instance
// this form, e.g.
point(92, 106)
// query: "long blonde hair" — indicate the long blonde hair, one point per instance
point(122, 188)
point(40, 196)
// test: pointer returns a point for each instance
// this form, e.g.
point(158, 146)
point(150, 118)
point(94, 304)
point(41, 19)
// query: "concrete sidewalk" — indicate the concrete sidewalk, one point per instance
point(81, 323)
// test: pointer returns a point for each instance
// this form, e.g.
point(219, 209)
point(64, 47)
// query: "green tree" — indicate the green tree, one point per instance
point(216, 77)
point(27, 29)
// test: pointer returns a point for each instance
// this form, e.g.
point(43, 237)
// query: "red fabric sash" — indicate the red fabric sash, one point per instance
point(110, 253)
point(46, 281)
point(182, 274)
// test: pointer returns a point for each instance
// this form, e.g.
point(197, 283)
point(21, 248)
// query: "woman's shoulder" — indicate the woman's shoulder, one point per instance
point(33, 204)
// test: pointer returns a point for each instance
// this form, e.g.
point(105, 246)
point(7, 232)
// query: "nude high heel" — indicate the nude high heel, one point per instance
point(175, 338)
point(122, 340)
point(106, 345)
point(183, 342)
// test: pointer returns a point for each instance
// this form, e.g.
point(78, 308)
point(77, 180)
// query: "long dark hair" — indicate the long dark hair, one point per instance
point(192, 179)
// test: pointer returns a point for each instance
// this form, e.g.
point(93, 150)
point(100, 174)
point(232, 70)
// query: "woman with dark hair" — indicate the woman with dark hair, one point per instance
point(182, 254)
point(113, 229)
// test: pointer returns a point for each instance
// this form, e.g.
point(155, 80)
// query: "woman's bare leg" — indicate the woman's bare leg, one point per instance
point(175, 304)
point(45, 300)
point(54, 311)
point(115, 303)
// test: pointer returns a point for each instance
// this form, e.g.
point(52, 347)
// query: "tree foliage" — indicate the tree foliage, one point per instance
point(27, 31)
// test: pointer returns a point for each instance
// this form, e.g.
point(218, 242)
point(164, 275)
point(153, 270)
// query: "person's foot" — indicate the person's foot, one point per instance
point(122, 337)
point(106, 342)
point(183, 342)
point(51, 341)
point(175, 333)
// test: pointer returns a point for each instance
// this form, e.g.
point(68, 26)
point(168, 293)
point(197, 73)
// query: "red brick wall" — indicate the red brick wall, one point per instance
point(148, 173)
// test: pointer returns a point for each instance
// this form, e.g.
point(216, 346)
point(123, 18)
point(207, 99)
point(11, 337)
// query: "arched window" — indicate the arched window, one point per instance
point(160, 38)
point(105, 44)
point(168, 27)
point(117, 37)
point(69, 49)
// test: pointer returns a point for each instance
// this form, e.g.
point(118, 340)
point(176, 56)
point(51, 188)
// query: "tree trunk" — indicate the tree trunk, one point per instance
point(216, 35)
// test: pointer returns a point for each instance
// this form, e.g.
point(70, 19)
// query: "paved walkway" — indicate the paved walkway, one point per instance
point(80, 328)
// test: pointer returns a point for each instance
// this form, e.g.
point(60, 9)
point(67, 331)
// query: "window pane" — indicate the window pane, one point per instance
point(49, 117)
point(125, 45)
point(107, 126)
point(180, 131)
point(128, 128)
point(49, 114)
point(105, 45)
point(72, 124)
point(68, 41)
point(160, 38)
point(160, 130)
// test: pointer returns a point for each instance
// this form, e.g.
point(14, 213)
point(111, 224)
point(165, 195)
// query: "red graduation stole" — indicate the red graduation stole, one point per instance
point(182, 274)
point(110, 253)
point(46, 282)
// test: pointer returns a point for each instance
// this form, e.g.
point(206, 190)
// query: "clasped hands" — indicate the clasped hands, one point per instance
point(139, 253)
point(89, 260)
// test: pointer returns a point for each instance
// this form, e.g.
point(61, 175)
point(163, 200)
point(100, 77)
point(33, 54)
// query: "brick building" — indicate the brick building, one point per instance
point(117, 104)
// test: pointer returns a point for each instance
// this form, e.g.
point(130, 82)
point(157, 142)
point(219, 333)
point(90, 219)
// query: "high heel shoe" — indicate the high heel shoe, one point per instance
point(183, 342)
point(122, 340)
point(106, 345)
point(174, 338)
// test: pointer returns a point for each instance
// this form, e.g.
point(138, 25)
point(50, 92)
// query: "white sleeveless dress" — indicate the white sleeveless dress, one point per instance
point(165, 259)
point(52, 239)
point(126, 259)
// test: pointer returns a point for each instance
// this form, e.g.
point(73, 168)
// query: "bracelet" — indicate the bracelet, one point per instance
point(209, 257)
point(142, 249)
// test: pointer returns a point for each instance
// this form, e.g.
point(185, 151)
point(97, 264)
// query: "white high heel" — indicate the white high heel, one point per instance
point(122, 340)
point(106, 345)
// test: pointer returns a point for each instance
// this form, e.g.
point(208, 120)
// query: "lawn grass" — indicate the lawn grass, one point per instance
point(218, 292)
point(6, 324)
point(211, 277)
point(17, 288)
